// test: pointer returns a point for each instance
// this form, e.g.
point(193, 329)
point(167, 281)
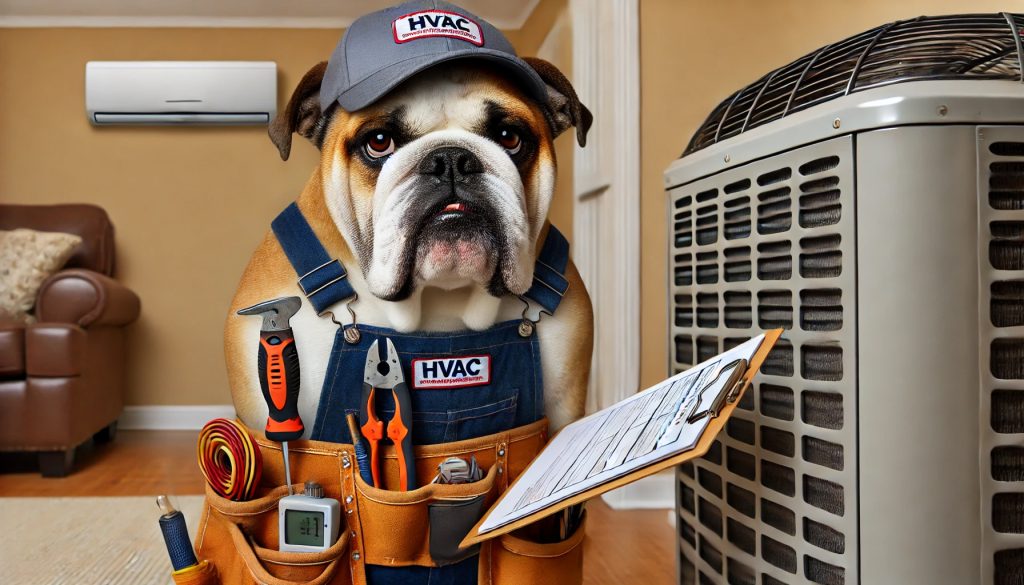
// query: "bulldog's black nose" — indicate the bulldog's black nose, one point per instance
point(451, 162)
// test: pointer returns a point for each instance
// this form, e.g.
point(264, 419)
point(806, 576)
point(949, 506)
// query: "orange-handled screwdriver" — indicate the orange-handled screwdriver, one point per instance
point(278, 364)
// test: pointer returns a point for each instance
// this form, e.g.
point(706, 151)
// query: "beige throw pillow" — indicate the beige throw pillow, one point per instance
point(27, 258)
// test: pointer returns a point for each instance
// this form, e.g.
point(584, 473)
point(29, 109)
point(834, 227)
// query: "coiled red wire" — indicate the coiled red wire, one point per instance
point(230, 459)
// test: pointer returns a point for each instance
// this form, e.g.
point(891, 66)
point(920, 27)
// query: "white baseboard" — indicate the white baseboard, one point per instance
point(656, 491)
point(172, 418)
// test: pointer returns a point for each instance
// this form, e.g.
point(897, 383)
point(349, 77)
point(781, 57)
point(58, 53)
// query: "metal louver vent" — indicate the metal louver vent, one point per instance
point(969, 46)
point(1001, 257)
point(775, 502)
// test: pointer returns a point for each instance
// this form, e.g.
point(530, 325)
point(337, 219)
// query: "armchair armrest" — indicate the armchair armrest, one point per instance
point(85, 298)
point(55, 350)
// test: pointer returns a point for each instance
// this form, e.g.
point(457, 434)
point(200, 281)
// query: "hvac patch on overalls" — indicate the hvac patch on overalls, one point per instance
point(451, 372)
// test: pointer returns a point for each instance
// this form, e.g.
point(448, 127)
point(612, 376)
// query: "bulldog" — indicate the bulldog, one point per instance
point(433, 191)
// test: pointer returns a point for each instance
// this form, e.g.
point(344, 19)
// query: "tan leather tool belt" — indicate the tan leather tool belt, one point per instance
point(239, 539)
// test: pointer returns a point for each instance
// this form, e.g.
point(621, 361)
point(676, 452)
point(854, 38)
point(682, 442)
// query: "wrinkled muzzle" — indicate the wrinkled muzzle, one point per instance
point(449, 210)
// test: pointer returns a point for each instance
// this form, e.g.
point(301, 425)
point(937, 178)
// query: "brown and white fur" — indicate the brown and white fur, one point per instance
point(409, 277)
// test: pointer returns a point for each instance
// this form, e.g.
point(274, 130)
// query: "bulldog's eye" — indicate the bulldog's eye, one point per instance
point(379, 145)
point(509, 140)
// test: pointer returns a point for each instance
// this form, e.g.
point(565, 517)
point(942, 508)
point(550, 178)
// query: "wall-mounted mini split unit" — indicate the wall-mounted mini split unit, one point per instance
point(180, 92)
point(869, 199)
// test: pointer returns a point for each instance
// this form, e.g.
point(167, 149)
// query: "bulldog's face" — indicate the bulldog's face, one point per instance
point(445, 182)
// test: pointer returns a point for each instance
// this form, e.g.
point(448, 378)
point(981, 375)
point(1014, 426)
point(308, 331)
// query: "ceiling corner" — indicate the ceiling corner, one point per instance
point(517, 23)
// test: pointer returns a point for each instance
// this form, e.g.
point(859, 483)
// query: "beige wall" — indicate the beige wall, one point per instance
point(693, 54)
point(189, 204)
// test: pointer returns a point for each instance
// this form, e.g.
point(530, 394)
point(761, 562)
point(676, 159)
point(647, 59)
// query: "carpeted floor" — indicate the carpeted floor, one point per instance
point(87, 541)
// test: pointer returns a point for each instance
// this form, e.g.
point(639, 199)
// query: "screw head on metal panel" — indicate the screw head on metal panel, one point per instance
point(837, 123)
point(942, 110)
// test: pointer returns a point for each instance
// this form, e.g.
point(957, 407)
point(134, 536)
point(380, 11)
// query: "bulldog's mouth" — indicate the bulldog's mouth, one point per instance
point(456, 219)
point(452, 210)
point(457, 239)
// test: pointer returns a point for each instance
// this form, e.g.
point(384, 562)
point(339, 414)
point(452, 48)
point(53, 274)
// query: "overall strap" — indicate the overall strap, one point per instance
point(549, 282)
point(322, 279)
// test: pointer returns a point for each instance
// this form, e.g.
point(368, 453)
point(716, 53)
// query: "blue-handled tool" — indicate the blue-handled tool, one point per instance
point(172, 525)
point(362, 458)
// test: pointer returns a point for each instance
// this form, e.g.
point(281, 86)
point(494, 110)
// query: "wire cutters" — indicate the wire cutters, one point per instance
point(386, 374)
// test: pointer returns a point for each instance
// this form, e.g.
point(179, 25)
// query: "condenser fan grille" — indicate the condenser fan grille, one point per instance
point(1001, 290)
point(770, 245)
point(969, 46)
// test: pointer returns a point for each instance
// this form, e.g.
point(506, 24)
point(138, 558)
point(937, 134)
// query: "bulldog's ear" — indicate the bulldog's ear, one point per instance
point(563, 106)
point(302, 115)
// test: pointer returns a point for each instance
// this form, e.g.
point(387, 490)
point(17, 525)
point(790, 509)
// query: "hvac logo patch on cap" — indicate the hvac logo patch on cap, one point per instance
point(436, 23)
point(453, 372)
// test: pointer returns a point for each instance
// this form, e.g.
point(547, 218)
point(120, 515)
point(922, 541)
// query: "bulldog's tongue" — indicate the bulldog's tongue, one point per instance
point(455, 207)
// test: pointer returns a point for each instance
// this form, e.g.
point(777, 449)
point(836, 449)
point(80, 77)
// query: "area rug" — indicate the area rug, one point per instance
point(87, 541)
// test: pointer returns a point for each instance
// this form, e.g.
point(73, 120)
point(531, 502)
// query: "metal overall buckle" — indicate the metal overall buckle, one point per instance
point(352, 334)
point(526, 325)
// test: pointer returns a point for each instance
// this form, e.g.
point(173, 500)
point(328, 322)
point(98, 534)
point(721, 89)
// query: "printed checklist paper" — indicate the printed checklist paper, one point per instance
point(644, 429)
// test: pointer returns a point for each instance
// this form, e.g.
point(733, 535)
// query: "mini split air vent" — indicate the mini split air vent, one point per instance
point(180, 92)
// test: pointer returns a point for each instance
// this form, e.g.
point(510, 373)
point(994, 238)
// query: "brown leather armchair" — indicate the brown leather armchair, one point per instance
point(62, 377)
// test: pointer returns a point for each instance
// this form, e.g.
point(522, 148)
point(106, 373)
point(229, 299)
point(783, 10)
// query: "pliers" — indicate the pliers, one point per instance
point(387, 375)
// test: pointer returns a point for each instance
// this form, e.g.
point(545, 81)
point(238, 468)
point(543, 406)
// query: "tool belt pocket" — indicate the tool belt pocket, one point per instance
point(241, 538)
point(516, 560)
point(205, 573)
point(422, 526)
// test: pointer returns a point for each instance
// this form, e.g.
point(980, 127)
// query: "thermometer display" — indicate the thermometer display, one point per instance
point(304, 528)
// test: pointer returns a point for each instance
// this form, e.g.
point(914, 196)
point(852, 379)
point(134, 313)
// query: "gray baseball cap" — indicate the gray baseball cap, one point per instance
point(384, 48)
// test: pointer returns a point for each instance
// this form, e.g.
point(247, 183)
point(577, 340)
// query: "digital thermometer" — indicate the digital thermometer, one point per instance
point(308, 522)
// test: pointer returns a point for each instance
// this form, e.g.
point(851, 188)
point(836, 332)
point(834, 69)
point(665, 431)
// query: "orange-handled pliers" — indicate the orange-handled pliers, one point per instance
point(385, 373)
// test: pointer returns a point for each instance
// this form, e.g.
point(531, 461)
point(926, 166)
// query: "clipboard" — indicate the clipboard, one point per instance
point(721, 408)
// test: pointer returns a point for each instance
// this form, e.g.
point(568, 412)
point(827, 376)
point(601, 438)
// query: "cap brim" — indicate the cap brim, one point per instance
point(372, 88)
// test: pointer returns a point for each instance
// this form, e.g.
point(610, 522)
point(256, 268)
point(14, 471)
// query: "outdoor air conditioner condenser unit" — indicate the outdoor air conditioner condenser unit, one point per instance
point(868, 198)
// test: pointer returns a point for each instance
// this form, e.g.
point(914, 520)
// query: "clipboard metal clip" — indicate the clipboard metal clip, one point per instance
point(733, 386)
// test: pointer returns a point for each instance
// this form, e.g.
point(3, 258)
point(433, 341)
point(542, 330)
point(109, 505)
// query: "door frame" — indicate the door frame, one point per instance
point(606, 211)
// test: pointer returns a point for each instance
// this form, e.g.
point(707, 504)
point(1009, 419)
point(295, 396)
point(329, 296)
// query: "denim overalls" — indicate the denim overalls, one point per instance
point(513, 396)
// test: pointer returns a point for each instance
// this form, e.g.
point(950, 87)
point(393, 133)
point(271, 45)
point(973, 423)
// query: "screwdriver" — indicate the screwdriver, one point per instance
point(172, 526)
point(278, 364)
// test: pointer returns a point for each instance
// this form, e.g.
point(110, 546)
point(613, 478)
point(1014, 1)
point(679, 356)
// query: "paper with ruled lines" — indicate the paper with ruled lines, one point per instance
point(643, 429)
